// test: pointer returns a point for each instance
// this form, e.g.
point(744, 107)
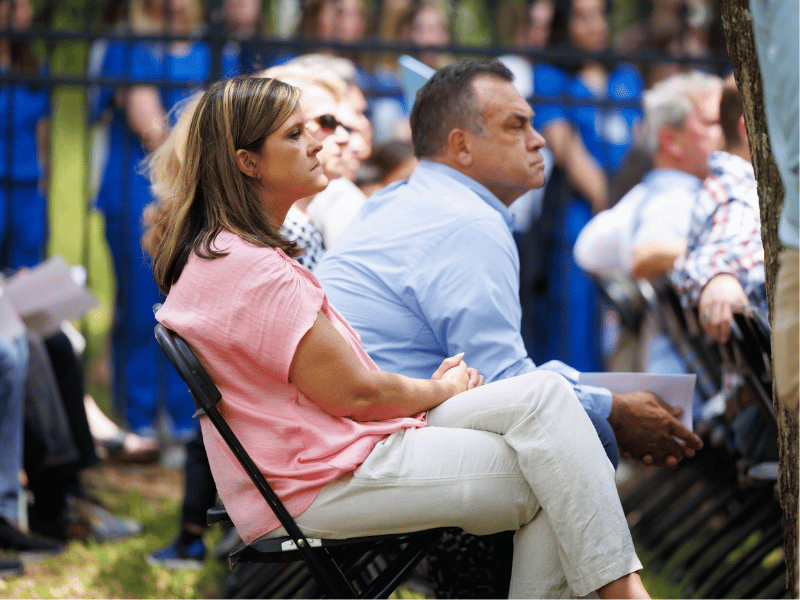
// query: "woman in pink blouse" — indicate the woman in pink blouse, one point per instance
point(352, 450)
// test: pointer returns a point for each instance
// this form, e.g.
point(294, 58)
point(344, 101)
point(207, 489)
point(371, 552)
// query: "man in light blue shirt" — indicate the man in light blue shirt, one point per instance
point(429, 267)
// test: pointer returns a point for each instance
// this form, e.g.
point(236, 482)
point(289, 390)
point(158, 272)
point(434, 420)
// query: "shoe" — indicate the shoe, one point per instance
point(178, 556)
point(10, 567)
point(127, 447)
point(28, 546)
point(103, 525)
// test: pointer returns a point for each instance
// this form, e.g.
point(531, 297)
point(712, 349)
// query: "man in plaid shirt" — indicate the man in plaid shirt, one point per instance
point(722, 270)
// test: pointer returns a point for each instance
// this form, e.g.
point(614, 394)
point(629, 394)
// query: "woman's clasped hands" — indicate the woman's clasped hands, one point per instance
point(455, 370)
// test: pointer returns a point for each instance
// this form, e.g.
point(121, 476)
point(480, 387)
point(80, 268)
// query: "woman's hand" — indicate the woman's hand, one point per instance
point(447, 364)
point(475, 378)
point(458, 376)
point(443, 373)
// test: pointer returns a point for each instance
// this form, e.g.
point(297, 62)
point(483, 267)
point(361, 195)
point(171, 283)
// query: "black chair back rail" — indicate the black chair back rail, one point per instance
point(333, 580)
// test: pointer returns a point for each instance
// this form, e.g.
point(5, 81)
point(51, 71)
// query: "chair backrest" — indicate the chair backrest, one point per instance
point(206, 395)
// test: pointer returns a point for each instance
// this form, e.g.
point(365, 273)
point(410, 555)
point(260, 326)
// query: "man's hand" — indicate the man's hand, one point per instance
point(721, 297)
point(646, 429)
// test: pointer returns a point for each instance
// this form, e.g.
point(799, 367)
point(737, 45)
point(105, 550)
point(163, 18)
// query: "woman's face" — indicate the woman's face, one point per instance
point(18, 15)
point(318, 106)
point(350, 21)
point(588, 26)
point(288, 165)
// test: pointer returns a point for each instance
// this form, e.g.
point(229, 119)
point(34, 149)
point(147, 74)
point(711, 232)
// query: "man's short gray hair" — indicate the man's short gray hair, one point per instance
point(667, 103)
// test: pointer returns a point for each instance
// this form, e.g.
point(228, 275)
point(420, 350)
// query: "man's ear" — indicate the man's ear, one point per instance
point(245, 162)
point(668, 140)
point(459, 145)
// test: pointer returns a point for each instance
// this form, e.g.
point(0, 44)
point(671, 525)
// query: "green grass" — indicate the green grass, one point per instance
point(118, 569)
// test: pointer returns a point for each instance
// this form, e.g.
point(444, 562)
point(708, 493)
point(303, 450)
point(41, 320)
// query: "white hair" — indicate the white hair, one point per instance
point(344, 68)
point(667, 103)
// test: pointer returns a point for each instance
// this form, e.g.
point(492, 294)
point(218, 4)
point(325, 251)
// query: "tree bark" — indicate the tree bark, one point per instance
point(738, 24)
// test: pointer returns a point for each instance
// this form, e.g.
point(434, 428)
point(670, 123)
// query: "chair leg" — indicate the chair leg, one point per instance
point(408, 559)
point(654, 514)
point(763, 584)
point(772, 539)
point(669, 522)
point(640, 493)
point(739, 536)
point(740, 515)
point(689, 529)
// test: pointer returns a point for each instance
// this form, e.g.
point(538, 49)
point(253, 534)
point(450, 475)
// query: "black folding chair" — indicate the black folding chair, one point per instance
point(337, 566)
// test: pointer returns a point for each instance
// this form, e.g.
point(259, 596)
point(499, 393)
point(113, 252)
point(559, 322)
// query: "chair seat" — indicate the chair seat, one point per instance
point(283, 549)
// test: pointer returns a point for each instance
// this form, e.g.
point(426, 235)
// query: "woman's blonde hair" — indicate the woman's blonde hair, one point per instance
point(210, 193)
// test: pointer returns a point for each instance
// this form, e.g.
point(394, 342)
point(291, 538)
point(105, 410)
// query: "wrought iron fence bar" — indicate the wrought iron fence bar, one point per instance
point(375, 46)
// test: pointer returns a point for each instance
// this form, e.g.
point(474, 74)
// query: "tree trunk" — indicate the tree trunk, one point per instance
point(738, 25)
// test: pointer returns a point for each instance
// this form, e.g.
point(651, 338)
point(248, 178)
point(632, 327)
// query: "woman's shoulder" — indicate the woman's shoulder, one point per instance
point(240, 251)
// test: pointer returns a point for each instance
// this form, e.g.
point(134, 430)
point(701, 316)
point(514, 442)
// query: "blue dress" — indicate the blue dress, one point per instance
point(571, 314)
point(23, 212)
point(143, 378)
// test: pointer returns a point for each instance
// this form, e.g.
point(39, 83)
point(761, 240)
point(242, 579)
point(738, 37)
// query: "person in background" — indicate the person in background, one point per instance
point(24, 147)
point(389, 162)
point(589, 142)
point(722, 269)
point(646, 230)
point(324, 99)
point(143, 380)
point(188, 549)
point(427, 24)
point(243, 23)
point(334, 207)
point(13, 373)
point(581, 518)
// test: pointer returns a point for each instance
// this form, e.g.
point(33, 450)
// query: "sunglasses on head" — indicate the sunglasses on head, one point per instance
point(329, 123)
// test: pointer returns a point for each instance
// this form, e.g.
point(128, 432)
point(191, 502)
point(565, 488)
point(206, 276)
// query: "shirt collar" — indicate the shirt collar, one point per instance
point(484, 194)
point(672, 177)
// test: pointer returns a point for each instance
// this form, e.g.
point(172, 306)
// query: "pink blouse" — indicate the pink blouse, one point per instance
point(244, 315)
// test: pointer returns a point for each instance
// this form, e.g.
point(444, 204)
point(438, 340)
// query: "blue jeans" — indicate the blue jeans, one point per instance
point(13, 370)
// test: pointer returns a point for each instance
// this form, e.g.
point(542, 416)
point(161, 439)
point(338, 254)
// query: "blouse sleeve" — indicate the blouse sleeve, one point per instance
point(276, 304)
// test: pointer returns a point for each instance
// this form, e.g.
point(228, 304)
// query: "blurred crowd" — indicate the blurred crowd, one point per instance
point(645, 145)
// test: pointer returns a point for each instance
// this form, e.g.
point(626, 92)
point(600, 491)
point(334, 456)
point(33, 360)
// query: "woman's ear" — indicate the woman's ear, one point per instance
point(245, 162)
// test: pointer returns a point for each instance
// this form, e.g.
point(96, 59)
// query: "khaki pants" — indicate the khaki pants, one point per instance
point(785, 329)
point(488, 461)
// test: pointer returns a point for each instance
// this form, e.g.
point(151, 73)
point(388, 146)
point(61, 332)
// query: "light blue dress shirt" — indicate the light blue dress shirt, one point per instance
point(428, 269)
point(775, 26)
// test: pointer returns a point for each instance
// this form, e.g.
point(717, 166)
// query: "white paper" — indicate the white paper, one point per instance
point(675, 390)
point(47, 295)
point(11, 326)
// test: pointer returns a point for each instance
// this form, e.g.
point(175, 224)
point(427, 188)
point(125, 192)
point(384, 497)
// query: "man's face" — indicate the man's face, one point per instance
point(700, 134)
point(506, 156)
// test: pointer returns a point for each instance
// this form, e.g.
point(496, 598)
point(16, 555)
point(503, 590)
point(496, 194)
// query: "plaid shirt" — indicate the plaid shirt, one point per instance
point(725, 233)
point(297, 228)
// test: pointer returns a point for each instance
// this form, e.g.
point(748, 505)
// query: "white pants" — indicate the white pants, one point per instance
point(490, 458)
